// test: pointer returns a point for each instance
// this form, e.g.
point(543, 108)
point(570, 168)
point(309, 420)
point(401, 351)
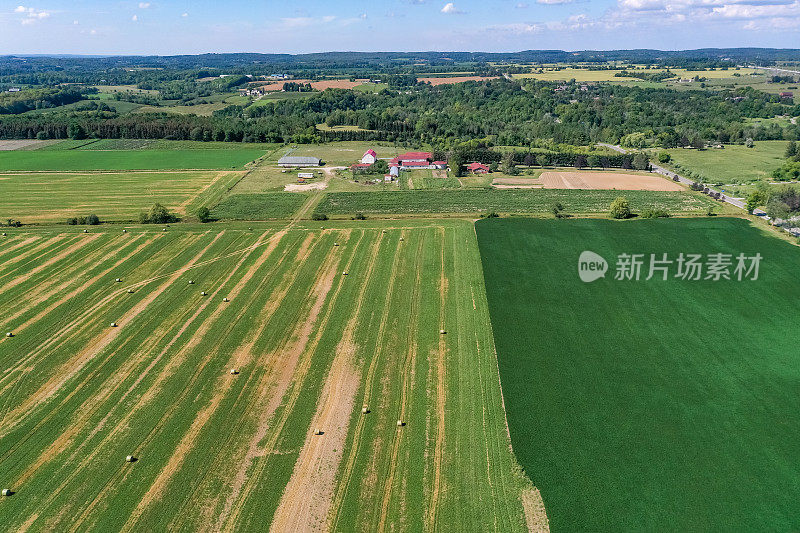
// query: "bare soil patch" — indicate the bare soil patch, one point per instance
point(458, 79)
point(304, 187)
point(606, 180)
point(6, 146)
point(535, 514)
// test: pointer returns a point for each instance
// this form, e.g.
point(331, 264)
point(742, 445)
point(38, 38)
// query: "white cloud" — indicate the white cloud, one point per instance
point(521, 5)
point(363, 16)
point(135, 18)
point(31, 14)
point(144, 5)
point(553, 2)
point(451, 9)
point(185, 15)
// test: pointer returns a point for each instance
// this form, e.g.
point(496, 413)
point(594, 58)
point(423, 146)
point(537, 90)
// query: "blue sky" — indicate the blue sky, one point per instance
point(184, 27)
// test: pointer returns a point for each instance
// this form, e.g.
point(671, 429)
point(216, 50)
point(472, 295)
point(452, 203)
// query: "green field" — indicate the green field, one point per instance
point(82, 160)
point(732, 164)
point(503, 201)
point(261, 206)
point(229, 452)
point(45, 197)
point(650, 405)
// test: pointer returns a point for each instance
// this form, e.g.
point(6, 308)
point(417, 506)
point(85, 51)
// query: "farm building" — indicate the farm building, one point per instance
point(295, 161)
point(305, 175)
point(417, 160)
point(478, 168)
point(369, 157)
point(357, 166)
point(787, 94)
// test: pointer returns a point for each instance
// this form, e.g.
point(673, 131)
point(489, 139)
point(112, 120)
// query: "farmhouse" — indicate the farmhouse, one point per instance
point(296, 161)
point(369, 157)
point(478, 168)
point(787, 94)
point(416, 161)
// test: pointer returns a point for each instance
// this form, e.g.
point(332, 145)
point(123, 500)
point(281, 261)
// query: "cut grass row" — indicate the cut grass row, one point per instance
point(217, 450)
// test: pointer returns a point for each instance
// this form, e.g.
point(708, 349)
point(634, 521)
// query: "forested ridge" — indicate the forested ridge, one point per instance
point(509, 112)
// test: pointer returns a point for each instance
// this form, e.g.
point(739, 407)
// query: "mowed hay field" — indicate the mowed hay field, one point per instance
point(236, 452)
point(50, 197)
point(649, 405)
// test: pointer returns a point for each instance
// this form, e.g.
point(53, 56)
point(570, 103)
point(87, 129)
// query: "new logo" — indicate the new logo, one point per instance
point(591, 266)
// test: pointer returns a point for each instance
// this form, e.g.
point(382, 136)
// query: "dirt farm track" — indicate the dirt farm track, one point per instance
point(591, 180)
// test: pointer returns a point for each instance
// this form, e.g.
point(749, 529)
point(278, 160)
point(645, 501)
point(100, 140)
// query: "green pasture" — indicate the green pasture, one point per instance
point(733, 164)
point(90, 160)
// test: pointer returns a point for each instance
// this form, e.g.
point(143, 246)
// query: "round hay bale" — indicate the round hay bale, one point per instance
point(317, 431)
point(4, 234)
point(118, 280)
point(6, 492)
point(130, 291)
point(165, 229)
point(402, 239)
point(383, 231)
point(336, 244)
point(113, 324)
point(204, 293)
point(344, 273)
point(225, 300)
point(442, 332)
point(9, 334)
point(364, 410)
point(86, 231)
point(130, 459)
point(400, 423)
point(191, 282)
point(234, 371)
point(124, 231)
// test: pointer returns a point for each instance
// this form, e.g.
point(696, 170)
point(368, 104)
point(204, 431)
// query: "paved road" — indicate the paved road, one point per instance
point(686, 181)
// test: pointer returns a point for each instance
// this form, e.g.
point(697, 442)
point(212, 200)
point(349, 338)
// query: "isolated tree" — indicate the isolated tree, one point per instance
point(541, 160)
point(620, 208)
point(93, 220)
point(749, 142)
point(580, 161)
point(204, 214)
point(558, 210)
point(158, 214)
point(593, 160)
point(664, 157)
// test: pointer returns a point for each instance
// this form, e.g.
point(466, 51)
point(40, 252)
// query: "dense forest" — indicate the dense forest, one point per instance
point(509, 112)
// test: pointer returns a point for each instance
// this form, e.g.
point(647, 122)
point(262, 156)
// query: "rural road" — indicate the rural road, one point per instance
point(686, 181)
